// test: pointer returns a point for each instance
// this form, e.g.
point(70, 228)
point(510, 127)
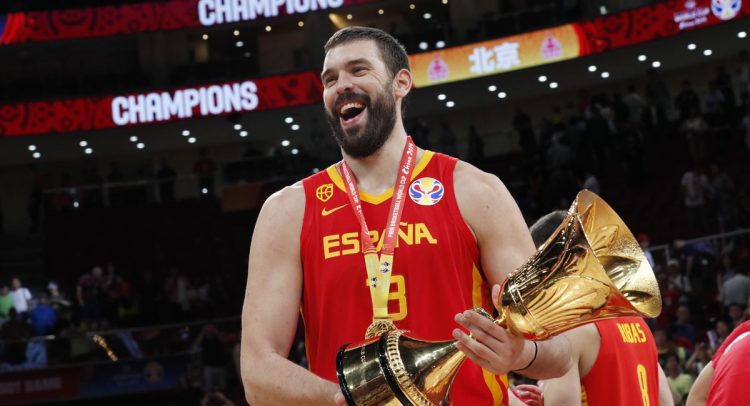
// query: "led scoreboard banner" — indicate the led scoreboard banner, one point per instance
point(160, 106)
point(429, 68)
point(150, 17)
point(570, 41)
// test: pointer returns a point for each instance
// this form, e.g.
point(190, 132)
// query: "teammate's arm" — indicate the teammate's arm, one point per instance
point(271, 309)
point(699, 392)
point(665, 392)
point(505, 244)
point(585, 343)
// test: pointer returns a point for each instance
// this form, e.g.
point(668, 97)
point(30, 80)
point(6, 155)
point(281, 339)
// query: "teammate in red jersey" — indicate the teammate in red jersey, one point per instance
point(455, 231)
point(724, 381)
point(615, 361)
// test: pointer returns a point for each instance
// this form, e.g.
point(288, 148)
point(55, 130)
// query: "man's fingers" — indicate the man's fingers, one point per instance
point(482, 362)
point(339, 399)
point(474, 346)
point(495, 294)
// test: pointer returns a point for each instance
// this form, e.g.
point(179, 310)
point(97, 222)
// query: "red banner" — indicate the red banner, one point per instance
point(40, 385)
point(150, 17)
point(660, 20)
point(160, 106)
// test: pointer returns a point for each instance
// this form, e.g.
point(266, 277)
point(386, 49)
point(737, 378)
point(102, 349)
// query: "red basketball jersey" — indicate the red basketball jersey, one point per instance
point(625, 371)
point(731, 362)
point(435, 274)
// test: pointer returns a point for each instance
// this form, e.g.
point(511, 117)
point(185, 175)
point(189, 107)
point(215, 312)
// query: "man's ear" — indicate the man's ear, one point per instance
point(402, 83)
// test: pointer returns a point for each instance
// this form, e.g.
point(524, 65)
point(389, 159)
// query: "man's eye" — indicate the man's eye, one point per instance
point(358, 70)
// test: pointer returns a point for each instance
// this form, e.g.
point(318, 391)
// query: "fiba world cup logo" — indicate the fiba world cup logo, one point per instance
point(726, 9)
point(426, 191)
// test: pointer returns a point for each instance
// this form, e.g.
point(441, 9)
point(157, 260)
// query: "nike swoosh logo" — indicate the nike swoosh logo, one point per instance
point(326, 212)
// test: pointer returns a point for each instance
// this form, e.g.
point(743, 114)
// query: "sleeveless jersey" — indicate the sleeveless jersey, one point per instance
point(625, 371)
point(731, 369)
point(435, 270)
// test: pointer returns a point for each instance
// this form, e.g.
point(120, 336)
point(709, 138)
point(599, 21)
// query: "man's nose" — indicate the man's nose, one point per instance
point(344, 84)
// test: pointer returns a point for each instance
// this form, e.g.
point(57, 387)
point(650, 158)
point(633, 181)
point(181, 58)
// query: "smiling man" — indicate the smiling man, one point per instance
point(392, 235)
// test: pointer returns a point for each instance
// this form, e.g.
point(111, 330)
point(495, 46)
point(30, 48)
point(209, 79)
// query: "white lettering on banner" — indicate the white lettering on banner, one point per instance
point(42, 384)
point(500, 57)
point(10, 388)
point(163, 106)
point(212, 12)
point(691, 16)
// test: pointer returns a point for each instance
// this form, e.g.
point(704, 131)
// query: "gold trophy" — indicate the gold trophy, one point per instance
point(591, 268)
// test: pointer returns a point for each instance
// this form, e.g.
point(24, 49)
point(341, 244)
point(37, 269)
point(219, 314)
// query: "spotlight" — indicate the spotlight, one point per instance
point(185, 133)
point(32, 148)
point(592, 68)
point(742, 34)
point(441, 97)
point(133, 138)
point(708, 52)
point(140, 145)
point(605, 75)
point(237, 127)
point(692, 46)
point(236, 33)
point(88, 151)
point(381, 11)
point(450, 103)
point(289, 120)
point(553, 85)
point(76, 204)
point(440, 44)
point(239, 44)
point(204, 191)
point(83, 143)
point(301, 24)
point(243, 133)
point(655, 64)
point(412, 6)
point(285, 143)
point(295, 151)
point(36, 155)
point(349, 17)
point(205, 37)
point(426, 16)
point(423, 46)
point(492, 88)
point(542, 78)
point(268, 28)
point(641, 57)
point(192, 140)
point(295, 127)
point(502, 95)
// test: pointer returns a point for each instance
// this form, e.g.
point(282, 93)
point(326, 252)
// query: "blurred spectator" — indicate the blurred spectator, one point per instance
point(635, 104)
point(644, 241)
point(56, 299)
point(724, 83)
point(735, 289)
point(687, 101)
point(6, 303)
point(448, 141)
point(205, 169)
point(724, 197)
point(590, 181)
point(700, 358)
point(684, 330)
point(695, 191)
point(42, 318)
point(736, 313)
point(746, 125)
point(695, 129)
point(476, 146)
point(89, 292)
point(21, 297)
point(717, 335)
point(523, 127)
point(658, 91)
point(212, 358)
point(166, 177)
point(743, 77)
point(679, 381)
point(677, 279)
point(16, 331)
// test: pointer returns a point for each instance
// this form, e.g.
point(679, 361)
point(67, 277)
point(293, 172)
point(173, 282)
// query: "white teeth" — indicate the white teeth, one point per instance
point(348, 106)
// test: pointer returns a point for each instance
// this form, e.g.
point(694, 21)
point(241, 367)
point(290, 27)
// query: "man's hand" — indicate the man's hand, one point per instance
point(492, 347)
point(530, 395)
point(339, 399)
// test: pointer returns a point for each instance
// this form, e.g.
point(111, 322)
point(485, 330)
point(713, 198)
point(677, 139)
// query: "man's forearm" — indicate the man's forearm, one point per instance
point(273, 380)
point(552, 358)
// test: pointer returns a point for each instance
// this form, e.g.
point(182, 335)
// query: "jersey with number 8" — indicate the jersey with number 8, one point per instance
point(626, 370)
point(435, 270)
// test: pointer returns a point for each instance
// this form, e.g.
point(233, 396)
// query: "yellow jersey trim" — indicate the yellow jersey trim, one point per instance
point(333, 173)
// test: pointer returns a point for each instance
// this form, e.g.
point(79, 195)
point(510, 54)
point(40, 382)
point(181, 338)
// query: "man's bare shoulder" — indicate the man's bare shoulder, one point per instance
point(285, 205)
point(476, 187)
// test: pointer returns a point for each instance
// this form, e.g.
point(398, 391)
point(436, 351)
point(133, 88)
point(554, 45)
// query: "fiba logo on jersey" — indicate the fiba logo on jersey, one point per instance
point(726, 9)
point(426, 191)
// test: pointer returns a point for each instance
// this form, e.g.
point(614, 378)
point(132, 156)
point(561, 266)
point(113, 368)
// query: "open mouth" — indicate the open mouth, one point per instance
point(350, 111)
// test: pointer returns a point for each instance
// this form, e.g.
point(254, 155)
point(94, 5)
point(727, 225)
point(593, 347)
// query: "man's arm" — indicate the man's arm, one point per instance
point(505, 244)
point(699, 392)
point(585, 343)
point(665, 392)
point(271, 309)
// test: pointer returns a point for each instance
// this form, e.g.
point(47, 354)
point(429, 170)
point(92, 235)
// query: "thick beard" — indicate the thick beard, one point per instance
point(365, 140)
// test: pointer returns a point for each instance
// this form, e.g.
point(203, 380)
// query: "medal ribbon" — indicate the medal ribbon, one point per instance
point(379, 269)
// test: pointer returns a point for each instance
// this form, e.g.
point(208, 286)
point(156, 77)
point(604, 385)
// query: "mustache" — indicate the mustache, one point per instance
point(348, 97)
